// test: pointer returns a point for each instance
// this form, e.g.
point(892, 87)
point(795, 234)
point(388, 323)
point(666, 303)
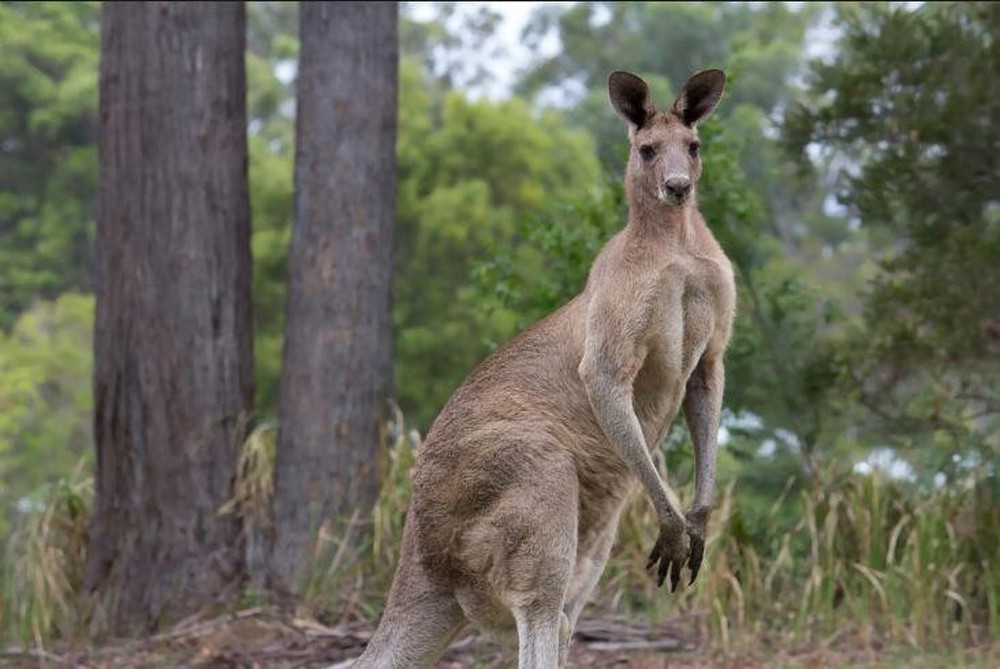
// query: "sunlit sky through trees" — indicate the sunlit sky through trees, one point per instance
point(516, 55)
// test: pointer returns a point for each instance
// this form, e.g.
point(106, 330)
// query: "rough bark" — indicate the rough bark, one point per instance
point(173, 372)
point(336, 372)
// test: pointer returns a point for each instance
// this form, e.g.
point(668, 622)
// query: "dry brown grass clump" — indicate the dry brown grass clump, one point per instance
point(44, 563)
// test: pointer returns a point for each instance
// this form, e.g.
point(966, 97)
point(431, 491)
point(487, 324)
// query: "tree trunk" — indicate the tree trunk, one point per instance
point(173, 363)
point(337, 366)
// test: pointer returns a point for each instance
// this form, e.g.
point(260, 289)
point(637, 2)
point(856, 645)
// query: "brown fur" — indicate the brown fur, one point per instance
point(519, 485)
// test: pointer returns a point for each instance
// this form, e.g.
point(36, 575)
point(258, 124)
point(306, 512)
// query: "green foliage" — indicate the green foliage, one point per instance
point(761, 40)
point(564, 240)
point(470, 173)
point(467, 172)
point(45, 399)
point(271, 204)
point(48, 157)
point(904, 107)
point(272, 47)
point(758, 44)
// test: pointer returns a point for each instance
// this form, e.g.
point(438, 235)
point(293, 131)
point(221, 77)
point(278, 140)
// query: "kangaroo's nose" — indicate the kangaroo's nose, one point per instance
point(679, 187)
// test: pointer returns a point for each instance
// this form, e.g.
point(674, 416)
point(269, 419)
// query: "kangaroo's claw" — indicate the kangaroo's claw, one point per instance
point(697, 553)
point(671, 552)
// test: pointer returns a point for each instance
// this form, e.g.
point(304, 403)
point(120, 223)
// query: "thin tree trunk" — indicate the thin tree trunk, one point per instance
point(336, 373)
point(173, 375)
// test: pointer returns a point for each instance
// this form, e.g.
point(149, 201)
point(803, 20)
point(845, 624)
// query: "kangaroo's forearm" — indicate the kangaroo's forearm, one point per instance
point(702, 410)
point(614, 412)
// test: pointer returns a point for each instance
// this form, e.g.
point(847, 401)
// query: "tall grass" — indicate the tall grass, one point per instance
point(350, 578)
point(43, 566)
point(869, 562)
point(865, 562)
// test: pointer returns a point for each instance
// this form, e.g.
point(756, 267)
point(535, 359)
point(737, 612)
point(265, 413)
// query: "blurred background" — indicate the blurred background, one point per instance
point(851, 174)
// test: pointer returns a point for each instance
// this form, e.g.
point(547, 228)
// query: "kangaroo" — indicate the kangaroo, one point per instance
point(518, 488)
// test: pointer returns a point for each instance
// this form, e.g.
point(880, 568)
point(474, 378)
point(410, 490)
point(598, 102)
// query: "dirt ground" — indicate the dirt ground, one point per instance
point(259, 638)
point(262, 639)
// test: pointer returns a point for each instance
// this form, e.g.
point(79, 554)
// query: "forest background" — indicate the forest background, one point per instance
point(855, 187)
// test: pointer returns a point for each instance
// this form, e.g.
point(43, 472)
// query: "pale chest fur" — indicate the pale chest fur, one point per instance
point(694, 298)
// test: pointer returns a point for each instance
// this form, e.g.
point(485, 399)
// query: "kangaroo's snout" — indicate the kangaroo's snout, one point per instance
point(677, 188)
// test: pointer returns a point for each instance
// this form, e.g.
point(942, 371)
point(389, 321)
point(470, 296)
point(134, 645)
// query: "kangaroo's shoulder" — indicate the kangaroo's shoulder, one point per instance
point(627, 262)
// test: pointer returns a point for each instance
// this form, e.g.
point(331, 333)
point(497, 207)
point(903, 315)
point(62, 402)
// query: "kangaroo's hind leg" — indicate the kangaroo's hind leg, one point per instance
point(539, 541)
point(588, 572)
point(420, 620)
point(540, 636)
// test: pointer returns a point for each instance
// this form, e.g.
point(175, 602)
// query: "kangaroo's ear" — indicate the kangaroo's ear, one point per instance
point(630, 97)
point(701, 93)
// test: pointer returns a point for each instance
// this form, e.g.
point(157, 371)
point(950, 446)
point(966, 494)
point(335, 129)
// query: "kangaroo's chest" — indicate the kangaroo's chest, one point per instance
point(704, 305)
point(695, 298)
point(694, 305)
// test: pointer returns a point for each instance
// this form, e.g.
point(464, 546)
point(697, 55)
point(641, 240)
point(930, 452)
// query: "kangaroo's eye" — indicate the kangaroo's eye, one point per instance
point(647, 152)
point(693, 149)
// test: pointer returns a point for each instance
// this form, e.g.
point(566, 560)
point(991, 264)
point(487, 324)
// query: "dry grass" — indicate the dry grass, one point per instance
point(865, 567)
point(43, 569)
point(869, 563)
point(350, 577)
point(254, 485)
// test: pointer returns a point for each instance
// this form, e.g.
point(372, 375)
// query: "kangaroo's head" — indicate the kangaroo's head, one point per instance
point(664, 161)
